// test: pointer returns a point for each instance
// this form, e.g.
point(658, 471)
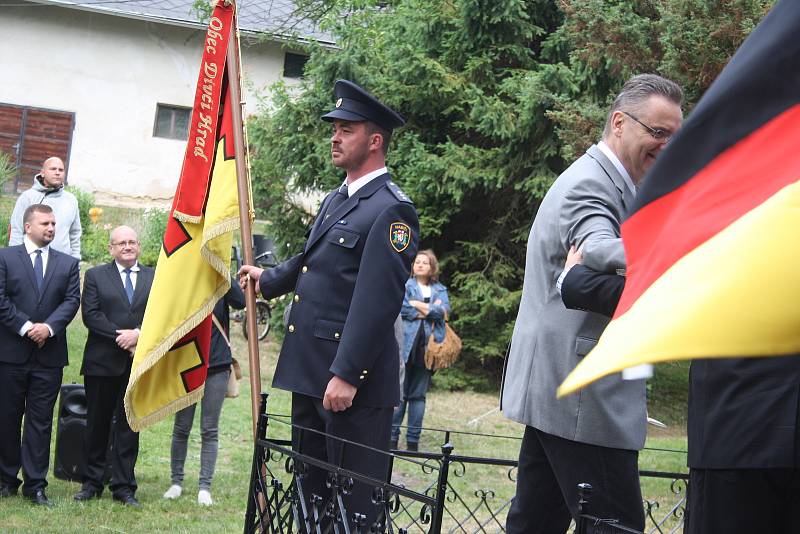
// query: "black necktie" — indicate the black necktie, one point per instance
point(337, 200)
point(38, 268)
point(128, 285)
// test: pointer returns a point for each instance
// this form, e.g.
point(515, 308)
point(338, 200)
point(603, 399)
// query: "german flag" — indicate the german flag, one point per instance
point(713, 241)
point(193, 271)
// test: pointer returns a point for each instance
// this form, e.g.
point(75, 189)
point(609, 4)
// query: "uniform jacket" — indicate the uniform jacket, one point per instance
point(21, 301)
point(349, 285)
point(105, 309)
point(584, 206)
point(65, 209)
point(434, 322)
point(743, 412)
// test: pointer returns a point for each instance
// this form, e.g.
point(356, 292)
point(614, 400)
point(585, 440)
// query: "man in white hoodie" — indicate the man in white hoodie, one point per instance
point(48, 188)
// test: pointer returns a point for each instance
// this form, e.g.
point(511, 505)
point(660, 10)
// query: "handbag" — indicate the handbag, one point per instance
point(236, 371)
point(233, 380)
point(443, 355)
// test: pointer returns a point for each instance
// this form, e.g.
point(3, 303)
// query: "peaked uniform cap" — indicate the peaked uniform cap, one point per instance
point(355, 104)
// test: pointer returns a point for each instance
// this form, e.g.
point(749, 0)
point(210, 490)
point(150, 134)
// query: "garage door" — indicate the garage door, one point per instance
point(29, 136)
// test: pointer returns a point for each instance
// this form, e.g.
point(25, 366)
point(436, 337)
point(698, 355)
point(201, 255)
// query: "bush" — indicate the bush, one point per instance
point(94, 244)
point(7, 169)
point(154, 224)
point(85, 202)
point(4, 222)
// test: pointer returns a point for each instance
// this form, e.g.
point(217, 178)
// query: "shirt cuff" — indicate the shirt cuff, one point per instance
point(561, 277)
point(24, 330)
point(50, 329)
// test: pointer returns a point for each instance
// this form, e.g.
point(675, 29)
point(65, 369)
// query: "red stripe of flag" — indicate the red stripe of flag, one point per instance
point(737, 181)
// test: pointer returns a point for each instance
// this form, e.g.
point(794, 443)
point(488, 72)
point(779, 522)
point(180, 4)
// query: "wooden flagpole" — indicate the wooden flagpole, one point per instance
point(246, 213)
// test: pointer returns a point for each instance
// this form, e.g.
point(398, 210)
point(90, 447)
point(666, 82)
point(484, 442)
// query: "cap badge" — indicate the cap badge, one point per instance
point(399, 236)
point(339, 103)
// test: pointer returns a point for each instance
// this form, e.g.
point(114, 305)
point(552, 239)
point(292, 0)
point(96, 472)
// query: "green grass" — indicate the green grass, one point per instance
point(472, 412)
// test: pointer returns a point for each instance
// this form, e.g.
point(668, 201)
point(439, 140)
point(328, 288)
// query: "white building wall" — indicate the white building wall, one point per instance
point(111, 72)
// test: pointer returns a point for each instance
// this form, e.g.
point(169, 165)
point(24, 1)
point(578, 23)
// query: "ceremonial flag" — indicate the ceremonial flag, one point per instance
point(713, 241)
point(193, 271)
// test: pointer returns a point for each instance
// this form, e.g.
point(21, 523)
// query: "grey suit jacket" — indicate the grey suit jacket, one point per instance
point(584, 206)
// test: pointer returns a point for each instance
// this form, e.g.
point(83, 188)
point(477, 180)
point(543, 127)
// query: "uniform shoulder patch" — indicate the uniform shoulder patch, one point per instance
point(399, 236)
point(398, 193)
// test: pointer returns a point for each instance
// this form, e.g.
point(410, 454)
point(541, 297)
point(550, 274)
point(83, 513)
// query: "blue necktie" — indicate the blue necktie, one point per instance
point(128, 285)
point(38, 268)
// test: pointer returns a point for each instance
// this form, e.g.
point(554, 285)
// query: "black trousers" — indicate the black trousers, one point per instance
point(104, 399)
point(745, 501)
point(30, 390)
point(361, 424)
point(550, 469)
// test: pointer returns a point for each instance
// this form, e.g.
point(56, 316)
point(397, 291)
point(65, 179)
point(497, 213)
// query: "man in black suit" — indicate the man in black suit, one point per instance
point(114, 298)
point(39, 296)
point(339, 356)
point(743, 427)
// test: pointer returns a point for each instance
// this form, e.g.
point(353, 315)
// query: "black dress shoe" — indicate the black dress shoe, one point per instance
point(40, 498)
point(127, 500)
point(412, 446)
point(87, 494)
point(7, 491)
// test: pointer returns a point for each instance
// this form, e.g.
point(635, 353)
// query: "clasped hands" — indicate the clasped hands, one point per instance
point(127, 339)
point(38, 333)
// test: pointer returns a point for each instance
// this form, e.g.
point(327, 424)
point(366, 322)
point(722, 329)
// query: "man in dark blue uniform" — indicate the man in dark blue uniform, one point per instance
point(339, 355)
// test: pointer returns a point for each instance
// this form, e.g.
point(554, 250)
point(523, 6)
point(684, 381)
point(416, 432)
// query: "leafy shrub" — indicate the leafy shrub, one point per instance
point(7, 169)
point(85, 202)
point(4, 221)
point(94, 244)
point(154, 224)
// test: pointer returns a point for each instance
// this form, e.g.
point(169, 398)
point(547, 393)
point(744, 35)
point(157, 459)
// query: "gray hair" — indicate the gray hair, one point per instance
point(637, 90)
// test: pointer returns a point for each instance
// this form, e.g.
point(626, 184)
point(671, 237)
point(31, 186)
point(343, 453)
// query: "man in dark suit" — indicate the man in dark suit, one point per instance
point(39, 296)
point(744, 434)
point(339, 357)
point(114, 298)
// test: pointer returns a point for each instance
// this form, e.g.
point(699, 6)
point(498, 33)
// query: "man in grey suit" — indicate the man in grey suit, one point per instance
point(594, 435)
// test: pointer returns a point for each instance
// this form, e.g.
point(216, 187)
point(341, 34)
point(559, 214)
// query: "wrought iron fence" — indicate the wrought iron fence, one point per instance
point(423, 492)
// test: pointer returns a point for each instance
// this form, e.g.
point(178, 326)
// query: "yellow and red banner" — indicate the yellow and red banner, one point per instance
point(193, 271)
point(712, 243)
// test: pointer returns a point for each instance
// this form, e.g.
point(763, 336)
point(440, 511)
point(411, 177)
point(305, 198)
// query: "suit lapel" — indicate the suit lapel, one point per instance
point(27, 266)
point(143, 282)
point(53, 260)
point(116, 281)
point(329, 219)
point(613, 173)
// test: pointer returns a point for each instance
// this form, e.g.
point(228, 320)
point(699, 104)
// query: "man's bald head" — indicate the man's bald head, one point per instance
point(53, 173)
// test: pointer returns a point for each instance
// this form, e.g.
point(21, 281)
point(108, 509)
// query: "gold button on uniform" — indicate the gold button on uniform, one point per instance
point(341, 240)
point(305, 268)
point(336, 335)
point(291, 328)
point(297, 298)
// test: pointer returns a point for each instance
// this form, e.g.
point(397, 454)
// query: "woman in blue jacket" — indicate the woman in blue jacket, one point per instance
point(425, 307)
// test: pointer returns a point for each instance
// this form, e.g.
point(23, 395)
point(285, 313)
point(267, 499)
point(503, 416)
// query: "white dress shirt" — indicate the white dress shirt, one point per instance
point(134, 272)
point(30, 248)
point(361, 181)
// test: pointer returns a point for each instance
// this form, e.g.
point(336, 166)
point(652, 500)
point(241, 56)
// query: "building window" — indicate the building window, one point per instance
point(293, 65)
point(172, 122)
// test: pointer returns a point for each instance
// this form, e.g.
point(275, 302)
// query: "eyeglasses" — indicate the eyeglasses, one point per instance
point(130, 243)
point(657, 133)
